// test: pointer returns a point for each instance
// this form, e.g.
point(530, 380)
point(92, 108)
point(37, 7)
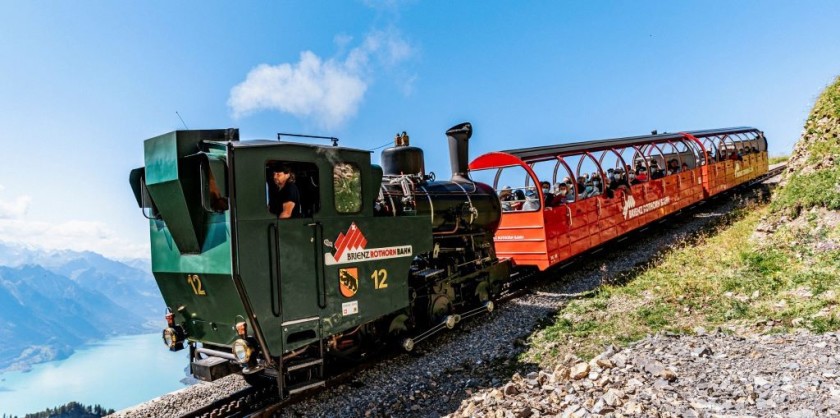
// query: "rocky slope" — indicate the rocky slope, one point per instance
point(680, 376)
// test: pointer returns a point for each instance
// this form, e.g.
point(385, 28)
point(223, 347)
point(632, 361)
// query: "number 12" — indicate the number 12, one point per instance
point(379, 277)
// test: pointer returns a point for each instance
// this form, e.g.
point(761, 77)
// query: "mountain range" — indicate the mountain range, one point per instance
point(54, 301)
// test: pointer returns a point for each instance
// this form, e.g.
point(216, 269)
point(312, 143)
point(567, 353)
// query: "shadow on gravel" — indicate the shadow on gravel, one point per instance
point(452, 367)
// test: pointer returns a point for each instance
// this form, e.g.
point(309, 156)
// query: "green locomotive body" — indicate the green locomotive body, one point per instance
point(352, 267)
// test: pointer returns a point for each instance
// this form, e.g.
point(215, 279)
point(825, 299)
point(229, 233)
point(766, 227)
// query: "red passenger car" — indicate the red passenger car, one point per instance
point(599, 190)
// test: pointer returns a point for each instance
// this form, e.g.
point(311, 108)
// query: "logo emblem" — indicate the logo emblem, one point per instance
point(354, 240)
point(351, 247)
point(348, 281)
point(629, 203)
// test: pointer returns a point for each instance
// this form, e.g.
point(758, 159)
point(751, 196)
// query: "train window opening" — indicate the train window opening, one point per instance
point(147, 205)
point(711, 148)
point(516, 189)
point(609, 161)
point(589, 179)
point(300, 185)
point(656, 161)
point(623, 173)
point(696, 152)
point(562, 187)
point(487, 176)
point(672, 158)
point(347, 188)
point(688, 158)
point(571, 179)
point(545, 172)
point(212, 190)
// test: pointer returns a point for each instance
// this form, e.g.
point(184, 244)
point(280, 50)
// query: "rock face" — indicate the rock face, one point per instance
point(821, 133)
point(672, 376)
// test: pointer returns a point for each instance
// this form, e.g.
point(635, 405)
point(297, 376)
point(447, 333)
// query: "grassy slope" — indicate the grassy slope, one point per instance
point(732, 277)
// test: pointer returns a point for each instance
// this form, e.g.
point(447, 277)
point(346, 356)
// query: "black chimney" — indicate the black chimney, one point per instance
point(458, 136)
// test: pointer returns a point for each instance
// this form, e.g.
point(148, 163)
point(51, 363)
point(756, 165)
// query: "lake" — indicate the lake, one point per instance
point(117, 373)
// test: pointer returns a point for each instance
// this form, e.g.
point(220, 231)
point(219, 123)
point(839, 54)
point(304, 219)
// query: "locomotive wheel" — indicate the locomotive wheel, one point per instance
point(451, 320)
point(440, 307)
point(407, 345)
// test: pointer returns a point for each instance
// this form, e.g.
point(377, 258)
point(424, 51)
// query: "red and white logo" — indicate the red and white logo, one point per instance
point(351, 248)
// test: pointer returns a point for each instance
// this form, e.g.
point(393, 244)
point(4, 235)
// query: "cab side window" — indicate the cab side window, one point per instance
point(347, 184)
point(299, 184)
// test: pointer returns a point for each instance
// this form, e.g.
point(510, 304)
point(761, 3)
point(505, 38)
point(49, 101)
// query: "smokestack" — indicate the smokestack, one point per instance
point(458, 136)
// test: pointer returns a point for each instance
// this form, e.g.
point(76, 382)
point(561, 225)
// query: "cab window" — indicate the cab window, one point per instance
point(347, 184)
point(299, 185)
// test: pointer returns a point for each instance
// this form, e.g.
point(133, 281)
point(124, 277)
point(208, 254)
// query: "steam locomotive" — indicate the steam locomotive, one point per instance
point(375, 253)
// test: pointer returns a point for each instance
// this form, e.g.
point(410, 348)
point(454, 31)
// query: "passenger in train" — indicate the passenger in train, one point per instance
point(587, 189)
point(561, 190)
point(655, 171)
point(570, 194)
point(596, 185)
point(685, 167)
point(519, 199)
point(614, 178)
point(619, 180)
point(546, 191)
point(641, 174)
point(532, 201)
point(556, 190)
point(506, 197)
point(581, 182)
point(673, 166)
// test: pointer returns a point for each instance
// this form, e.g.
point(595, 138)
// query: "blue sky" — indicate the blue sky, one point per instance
point(83, 83)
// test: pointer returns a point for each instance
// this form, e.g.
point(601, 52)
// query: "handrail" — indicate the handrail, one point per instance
point(569, 214)
point(274, 270)
point(320, 273)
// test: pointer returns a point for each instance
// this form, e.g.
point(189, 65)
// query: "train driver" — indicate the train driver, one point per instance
point(284, 197)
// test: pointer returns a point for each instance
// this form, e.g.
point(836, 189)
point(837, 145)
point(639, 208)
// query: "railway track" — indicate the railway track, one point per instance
point(265, 402)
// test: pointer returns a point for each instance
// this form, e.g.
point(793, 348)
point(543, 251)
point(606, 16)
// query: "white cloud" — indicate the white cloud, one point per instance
point(71, 235)
point(328, 91)
point(13, 208)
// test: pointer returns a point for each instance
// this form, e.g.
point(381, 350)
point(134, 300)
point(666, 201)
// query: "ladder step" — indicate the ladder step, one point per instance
point(305, 365)
point(306, 386)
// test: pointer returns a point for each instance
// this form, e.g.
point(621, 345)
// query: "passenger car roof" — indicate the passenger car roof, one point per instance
point(550, 151)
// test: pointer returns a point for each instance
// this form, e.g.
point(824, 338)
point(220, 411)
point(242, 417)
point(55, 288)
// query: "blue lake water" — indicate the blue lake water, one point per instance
point(117, 373)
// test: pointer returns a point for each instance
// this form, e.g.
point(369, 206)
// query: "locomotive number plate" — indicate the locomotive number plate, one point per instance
point(195, 282)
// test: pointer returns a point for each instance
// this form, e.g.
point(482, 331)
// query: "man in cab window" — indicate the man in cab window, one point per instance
point(284, 197)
